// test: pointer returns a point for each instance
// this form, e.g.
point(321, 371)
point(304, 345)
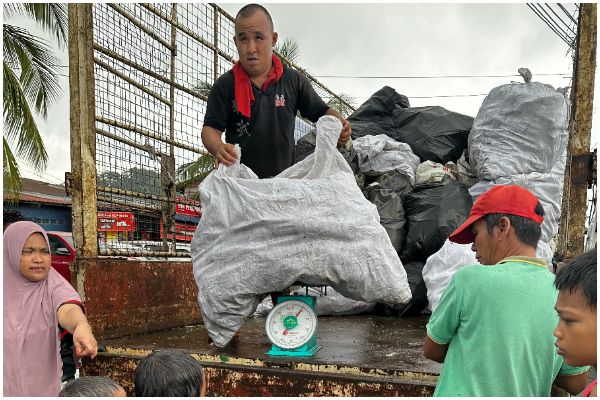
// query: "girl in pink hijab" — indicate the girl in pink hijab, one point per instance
point(36, 301)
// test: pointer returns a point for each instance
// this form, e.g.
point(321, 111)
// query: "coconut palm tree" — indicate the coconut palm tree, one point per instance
point(30, 86)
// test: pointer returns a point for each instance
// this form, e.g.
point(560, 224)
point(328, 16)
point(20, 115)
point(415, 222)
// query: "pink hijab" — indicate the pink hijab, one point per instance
point(32, 363)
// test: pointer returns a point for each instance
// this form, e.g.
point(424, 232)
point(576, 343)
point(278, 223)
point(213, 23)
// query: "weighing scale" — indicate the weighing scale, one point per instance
point(292, 327)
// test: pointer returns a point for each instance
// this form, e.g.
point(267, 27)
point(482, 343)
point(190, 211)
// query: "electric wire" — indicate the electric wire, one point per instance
point(549, 24)
point(561, 20)
point(568, 13)
point(431, 76)
point(556, 24)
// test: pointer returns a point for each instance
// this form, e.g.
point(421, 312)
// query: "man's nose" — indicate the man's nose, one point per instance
point(473, 247)
point(251, 48)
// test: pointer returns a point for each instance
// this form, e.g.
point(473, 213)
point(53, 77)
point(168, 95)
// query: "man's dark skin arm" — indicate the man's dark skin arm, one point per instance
point(434, 351)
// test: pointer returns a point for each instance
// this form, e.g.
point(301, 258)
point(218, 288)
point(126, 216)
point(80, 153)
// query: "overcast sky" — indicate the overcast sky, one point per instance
point(387, 40)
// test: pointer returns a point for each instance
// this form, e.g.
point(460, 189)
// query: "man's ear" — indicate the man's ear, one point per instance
point(504, 226)
point(275, 37)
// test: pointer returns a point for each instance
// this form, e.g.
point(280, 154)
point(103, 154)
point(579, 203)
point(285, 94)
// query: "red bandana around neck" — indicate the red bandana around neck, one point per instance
point(243, 88)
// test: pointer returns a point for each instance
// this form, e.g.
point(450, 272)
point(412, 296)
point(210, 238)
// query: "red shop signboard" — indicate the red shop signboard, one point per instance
point(114, 221)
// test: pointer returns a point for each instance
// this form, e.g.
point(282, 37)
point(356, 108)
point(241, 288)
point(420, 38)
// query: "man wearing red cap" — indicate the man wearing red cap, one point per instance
point(493, 328)
point(256, 102)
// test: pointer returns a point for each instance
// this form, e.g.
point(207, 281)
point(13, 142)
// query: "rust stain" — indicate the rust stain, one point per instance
point(249, 377)
point(132, 297)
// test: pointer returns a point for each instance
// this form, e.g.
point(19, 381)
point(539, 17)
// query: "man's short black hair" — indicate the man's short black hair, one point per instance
point(580, 274)
point(527, 230)
point(169, 373)
point(90, 386)
point(249, 10)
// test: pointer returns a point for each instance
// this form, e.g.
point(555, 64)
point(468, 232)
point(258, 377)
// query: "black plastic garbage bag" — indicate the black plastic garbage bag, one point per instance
point(433, 133)
point(373, 128)
point(306, 146)
point(433, 211)
point(379, 107)
point(418, 303)
point(387, 193)
point(391, 213)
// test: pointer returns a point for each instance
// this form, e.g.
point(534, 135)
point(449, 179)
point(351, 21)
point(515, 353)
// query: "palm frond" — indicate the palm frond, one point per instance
point(10, 174)
point(37, 64)
point(53, 17)
point(202, 88)
point(19, 123)
point(289, 49)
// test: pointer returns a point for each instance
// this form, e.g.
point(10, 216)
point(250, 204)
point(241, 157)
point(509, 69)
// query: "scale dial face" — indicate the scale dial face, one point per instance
point(291, 324)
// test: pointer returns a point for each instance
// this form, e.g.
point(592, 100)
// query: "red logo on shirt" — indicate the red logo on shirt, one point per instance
point(279, 100)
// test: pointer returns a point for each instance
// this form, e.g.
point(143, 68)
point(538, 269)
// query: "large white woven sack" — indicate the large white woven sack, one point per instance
point(520, 128)
point(309, 224)
point(547, 187)
point(440, 267)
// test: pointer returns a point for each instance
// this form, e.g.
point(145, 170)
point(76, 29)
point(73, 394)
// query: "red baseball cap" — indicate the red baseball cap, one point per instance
point(510, 199)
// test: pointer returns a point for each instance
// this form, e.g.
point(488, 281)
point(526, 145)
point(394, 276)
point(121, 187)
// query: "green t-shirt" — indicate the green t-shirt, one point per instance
point(499, 321)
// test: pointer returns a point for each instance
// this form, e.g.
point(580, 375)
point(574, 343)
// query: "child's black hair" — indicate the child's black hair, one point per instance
point(580, 274)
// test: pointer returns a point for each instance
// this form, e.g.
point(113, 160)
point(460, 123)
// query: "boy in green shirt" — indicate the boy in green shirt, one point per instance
point(493, 327)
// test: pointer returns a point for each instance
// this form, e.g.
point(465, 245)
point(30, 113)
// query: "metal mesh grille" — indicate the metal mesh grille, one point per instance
point(153, 66)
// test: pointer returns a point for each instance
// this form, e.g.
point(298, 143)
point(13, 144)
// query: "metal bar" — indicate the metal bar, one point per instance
point(222, 11)
point(131, 81)
point(150, 135)
point(124, 192)
point(129, 205)
point(145, 70)
point(216, 42)
point(137, 23)
point(571, 231)
point(189, 32)
point(143, 253)
point(168, 163)
point(83, 136)
point(123, 140)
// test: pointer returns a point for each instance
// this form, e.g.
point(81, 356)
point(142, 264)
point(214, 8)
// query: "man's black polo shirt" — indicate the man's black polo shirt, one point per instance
point(267, 139)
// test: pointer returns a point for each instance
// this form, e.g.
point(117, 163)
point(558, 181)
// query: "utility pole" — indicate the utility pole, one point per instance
point(578, 170)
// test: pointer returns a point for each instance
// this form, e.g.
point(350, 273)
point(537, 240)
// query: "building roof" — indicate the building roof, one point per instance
point(33, 191)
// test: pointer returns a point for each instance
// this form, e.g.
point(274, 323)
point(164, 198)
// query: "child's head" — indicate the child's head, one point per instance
point(576, 307)
point(92, 386)
point(169, 373)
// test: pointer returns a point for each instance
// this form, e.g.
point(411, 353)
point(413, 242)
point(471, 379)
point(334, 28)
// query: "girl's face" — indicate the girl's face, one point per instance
point(35, 258)
point(576, 330)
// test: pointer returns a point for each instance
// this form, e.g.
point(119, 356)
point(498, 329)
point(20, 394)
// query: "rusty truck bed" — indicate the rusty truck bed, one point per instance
point(361, 356)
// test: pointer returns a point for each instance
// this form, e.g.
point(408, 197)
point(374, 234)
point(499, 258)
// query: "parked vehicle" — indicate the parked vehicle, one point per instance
point(62, 250)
